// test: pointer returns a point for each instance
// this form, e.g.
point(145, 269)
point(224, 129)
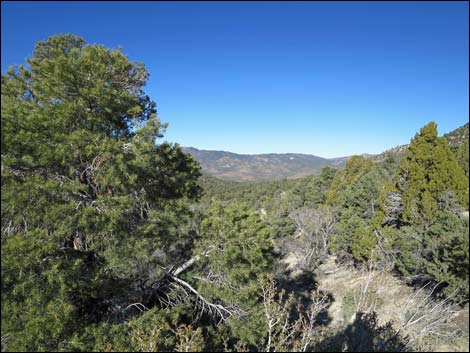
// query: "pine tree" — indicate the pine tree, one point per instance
point(90, 202)
point(238, 248)
point(355, 194)
point(317, 187)
point(446, 254)
point(425, 204)
point(430, 178)
point(355, 167)
point(462, 156)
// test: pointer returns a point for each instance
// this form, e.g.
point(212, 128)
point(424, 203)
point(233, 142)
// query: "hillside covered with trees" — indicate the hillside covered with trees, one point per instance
point(112, 240)
point(261, 167)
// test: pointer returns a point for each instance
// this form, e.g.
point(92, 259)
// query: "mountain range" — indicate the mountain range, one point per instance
point(272, 166)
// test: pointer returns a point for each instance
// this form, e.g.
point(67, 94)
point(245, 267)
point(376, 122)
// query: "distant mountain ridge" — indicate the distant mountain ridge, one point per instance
point(458, 136)
point(455, 138)
point(269, 166)
point(273, 166)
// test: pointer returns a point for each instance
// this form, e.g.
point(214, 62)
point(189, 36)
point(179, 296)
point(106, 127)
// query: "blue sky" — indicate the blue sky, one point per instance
point(325, 78)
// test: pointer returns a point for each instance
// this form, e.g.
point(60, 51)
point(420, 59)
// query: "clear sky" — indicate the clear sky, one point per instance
point(324, 78)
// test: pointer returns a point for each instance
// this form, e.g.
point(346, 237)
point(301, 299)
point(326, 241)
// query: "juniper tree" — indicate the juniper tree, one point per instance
point(429, 178)
point(425, 205)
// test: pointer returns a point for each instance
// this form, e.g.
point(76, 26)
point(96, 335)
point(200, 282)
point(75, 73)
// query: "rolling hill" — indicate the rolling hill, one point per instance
point(455, 138)
point(271, 166)
point(274, 166)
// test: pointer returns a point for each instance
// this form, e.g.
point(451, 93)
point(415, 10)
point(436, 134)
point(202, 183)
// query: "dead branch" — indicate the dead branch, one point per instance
point(216, 311)
point(192, 260)
point(424, 319)
point(315, 227)
point(139, 306)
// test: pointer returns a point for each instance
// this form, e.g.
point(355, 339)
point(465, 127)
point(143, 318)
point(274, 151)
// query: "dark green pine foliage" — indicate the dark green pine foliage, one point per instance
point(355, 194)
point(88, 197)
point(430, 178)
point(236, 247)
point(316, 189)
point(432, 235)
point(446, 254)
point(439, 253)
point(282, 225)
point(458, 142)
point(355, 167)
point(462, 156)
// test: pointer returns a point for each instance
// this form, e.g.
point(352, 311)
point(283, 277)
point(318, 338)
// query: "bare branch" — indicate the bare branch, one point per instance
point(215, 310)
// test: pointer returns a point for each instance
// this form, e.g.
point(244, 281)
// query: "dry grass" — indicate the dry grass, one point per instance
point(430, 325)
